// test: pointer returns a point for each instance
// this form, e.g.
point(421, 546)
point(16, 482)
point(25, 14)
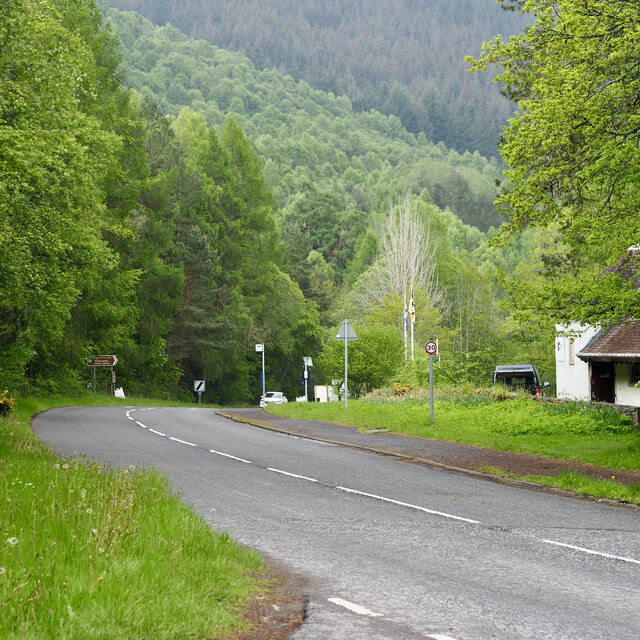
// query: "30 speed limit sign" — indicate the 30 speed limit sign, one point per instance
point(431, 348)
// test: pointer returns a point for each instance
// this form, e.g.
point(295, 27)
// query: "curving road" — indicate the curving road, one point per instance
point(391, 550)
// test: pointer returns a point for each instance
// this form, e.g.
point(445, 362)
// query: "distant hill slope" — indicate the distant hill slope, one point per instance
point(304, 135)
point(400, 57)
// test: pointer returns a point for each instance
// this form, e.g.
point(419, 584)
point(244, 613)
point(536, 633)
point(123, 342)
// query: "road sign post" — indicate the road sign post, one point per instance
point(199, 387)
point(346, 333)
point(103, 361)
point(431, 348)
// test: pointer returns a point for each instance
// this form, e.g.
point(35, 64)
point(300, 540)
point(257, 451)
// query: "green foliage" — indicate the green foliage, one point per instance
point(52, 152)
point(398, 58)
point(572, 147)
point(372, 359)
point(123, 234)
point(304, 136)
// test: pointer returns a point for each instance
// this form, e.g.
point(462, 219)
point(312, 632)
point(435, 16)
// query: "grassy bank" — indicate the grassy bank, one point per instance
point(87, 552)
point(569, 431)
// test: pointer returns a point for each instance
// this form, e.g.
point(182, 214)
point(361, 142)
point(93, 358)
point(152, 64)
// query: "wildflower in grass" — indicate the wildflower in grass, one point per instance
point(89, 510)
point(65, 466)
point(2, 570)
point(12, 541)
point(56, 466)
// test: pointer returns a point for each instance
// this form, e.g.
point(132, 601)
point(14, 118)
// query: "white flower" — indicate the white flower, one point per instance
point(2, 570)
point(12, 541)
point(65, 466)
point(94, 531)
point(56, 466)
point(89, 510)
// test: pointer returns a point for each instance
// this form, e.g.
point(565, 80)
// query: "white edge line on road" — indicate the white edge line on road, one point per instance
point(291, 475)
point(438, 636)
point(159, 433)
point(228, 455)
point(141, 425)
point(592, 552)
point(182, 441)
point(355, 608)
point(410, 506)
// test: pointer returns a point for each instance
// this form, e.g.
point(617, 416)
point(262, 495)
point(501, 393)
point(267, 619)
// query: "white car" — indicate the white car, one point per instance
point(272, 397)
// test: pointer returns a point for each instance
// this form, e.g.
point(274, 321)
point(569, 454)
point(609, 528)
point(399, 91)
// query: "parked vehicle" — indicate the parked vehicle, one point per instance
point(272, 397)
point(519, 377)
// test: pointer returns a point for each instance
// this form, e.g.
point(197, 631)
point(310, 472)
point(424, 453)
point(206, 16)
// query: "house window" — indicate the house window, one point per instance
point(635, 372)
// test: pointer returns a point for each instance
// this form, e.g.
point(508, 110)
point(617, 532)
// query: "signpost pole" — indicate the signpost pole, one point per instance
point(346, 342)
point(94, 379)
point(431, 386)
point(431, 348)
point(346, 333)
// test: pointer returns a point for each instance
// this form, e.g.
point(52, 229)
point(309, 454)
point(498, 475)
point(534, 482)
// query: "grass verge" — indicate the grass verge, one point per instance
point(568, 431)
point(578, 483)
point(88, 552)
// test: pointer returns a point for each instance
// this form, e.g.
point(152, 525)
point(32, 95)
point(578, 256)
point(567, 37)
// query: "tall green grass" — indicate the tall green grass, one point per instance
point(88, 552)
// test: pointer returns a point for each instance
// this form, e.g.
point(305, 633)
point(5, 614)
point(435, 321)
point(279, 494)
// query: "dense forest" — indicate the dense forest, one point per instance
point(399, 57)
point(166, 202)
point(305, 136)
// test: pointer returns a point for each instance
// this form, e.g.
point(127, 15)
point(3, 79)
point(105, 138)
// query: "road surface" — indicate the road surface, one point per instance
point(391, 550)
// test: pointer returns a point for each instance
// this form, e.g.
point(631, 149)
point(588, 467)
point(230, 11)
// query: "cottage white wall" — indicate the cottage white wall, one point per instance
point(572, 374)
point(626, 393)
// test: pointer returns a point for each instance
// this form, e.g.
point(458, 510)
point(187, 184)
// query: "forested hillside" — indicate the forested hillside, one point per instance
point(399, 57)
point(123, 235)
point(218, 207)
point(305, 136)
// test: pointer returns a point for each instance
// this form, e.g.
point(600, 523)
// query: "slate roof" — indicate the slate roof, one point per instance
point(619, 343)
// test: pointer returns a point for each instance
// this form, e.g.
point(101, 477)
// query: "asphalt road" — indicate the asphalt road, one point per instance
point(391, 550)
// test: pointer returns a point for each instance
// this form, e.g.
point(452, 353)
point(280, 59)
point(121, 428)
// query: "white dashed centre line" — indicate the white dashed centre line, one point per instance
point(292, 475)
point(355, 608)
point(437, 636)
point(159, 433)
point(409, 505)
point(228, 455)
point(182, 441)
point(141, 425)
point(592, 552)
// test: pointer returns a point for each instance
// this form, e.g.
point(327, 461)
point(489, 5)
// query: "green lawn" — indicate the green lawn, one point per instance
point(88, 552)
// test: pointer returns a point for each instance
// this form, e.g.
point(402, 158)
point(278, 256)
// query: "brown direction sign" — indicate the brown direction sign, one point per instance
point(102, 361)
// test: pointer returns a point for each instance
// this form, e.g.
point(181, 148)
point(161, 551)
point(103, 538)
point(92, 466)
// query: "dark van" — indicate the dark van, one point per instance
point(519, 376)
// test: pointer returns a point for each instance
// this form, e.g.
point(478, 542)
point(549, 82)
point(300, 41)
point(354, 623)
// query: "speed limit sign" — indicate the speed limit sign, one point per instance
point(431, 348)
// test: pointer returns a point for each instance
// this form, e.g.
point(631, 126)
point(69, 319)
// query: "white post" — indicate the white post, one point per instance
point(263, 384)
point(412, 315)
point(404, 323)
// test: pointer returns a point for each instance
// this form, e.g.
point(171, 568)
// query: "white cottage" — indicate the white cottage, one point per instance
point(601, 364)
